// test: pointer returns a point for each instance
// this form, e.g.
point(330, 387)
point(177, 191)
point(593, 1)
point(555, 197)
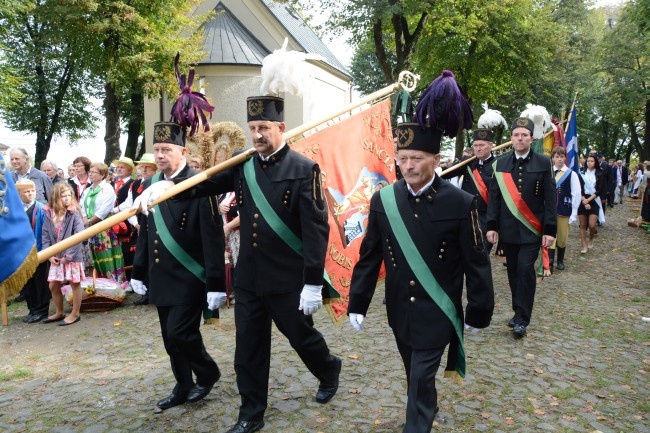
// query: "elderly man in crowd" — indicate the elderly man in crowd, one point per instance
point(51, 170)
point(23, 170)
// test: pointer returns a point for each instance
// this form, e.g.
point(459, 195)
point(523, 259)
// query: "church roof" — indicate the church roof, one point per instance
point(303, 34)
point(228, 42)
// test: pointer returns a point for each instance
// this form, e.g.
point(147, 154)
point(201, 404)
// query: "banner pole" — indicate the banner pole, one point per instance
point(407, 81)
point(568, 119)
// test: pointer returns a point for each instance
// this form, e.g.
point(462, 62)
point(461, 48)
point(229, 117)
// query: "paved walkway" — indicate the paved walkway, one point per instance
point(582, 368)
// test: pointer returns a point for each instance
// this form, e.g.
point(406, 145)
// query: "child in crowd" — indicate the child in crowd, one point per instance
point(37, 293)
point(64, 220)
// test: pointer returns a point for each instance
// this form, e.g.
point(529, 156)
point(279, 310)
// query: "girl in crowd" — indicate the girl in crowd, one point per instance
point(64, 220)
point(594, 185)
point(96, 204)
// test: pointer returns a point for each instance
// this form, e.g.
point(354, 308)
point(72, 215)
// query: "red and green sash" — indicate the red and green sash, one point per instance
point(516, 204)
point(480, 184)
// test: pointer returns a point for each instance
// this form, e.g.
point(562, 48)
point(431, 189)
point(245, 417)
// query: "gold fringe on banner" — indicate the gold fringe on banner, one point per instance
point(16, 281)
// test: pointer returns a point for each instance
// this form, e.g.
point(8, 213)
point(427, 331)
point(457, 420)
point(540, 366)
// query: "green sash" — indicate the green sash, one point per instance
point(277, 225)
point(170, 243)
point(421, 270)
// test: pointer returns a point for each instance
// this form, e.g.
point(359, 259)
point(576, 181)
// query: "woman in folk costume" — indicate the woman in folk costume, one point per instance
point(97, 202)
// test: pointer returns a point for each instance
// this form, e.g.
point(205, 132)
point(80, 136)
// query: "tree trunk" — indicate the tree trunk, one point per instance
point(112, 113)
point(134, 126)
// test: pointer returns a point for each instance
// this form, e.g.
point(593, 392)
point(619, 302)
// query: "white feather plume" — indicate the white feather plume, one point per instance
point(283, 71)
point(540, 118)
point(491, 118)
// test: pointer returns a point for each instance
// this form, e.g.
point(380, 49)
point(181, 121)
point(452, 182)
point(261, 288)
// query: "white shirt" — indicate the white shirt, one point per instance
point(103, 202)
point(576, 194)
point(266, 158)
point(423, 189)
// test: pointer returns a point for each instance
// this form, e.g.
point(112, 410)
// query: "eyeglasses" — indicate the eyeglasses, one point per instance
point(93, 172)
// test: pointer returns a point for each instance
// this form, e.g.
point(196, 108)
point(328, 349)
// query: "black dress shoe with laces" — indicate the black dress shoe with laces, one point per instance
point(519, 330)
point(246, 427)
point(511, 323)
point(171, 401)
point(199, 392)
point(327, 390)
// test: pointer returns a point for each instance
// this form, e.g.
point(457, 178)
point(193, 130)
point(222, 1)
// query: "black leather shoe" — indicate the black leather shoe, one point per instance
point(560, 266)
point(327, 390)
point(19, 298)
point(246, 427)
point(35, 318)
point(199, 392)
point(144, 300)
point(519, 330)
point(511, 323)
point(171, 401)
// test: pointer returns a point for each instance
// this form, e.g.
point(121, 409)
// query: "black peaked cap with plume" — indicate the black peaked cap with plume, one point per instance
point(439, 112)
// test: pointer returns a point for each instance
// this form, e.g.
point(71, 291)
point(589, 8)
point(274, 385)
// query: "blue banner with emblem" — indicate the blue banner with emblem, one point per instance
point(17, 244)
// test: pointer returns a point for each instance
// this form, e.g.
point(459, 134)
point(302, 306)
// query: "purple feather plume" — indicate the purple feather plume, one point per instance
point(443, 106)
point(190, 107)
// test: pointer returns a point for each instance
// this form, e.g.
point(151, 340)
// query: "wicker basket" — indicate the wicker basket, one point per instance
point(98, 302)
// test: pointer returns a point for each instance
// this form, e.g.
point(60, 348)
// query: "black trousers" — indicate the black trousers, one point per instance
point(37, 290)
point(184, 345)
point(421, 366)
point(253, 316)
point(522, 278)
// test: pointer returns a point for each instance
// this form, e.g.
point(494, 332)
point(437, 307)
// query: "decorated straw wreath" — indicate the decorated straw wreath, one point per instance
point(208, 145)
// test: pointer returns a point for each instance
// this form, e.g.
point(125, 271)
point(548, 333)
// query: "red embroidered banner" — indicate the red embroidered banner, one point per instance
point(356, 158)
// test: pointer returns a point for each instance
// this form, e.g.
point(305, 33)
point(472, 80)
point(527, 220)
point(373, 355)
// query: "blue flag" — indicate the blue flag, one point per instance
point(18, 256)
point(571, 137)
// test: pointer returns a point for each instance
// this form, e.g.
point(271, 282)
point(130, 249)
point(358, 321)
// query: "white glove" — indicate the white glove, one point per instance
point(572, 218)
point(216, 300)
point(138, 287)
point(311, 299)
point(356, 320)
point(150, 194)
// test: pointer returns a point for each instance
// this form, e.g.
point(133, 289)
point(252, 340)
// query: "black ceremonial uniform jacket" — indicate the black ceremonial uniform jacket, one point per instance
point(195, 225)
point(291, 184)
point(486, 171)
point(444, 226)
point(536, 184)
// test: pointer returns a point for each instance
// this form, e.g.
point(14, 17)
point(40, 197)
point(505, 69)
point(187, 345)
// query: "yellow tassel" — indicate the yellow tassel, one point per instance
point(16, 281)
point(453, 375)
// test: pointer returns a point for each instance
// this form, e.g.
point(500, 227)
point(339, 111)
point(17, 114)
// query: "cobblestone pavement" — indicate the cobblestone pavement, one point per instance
point(582, 368)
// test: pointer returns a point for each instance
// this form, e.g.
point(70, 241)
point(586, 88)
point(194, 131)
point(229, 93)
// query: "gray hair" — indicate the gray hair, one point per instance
point(19, 149)
point(52, 163)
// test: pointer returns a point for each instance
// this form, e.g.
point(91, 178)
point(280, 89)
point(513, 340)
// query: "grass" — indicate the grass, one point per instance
point(567, 393)
point(15, 373)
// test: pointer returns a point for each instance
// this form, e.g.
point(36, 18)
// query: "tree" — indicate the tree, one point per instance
point(51, 95)
point(134, 43)
point(625, 56)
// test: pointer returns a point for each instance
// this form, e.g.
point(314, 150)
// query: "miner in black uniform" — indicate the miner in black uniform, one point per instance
point(478, 173)
point(284, 234)
point(522, 216)
point(181, 250)
point(427, 233)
